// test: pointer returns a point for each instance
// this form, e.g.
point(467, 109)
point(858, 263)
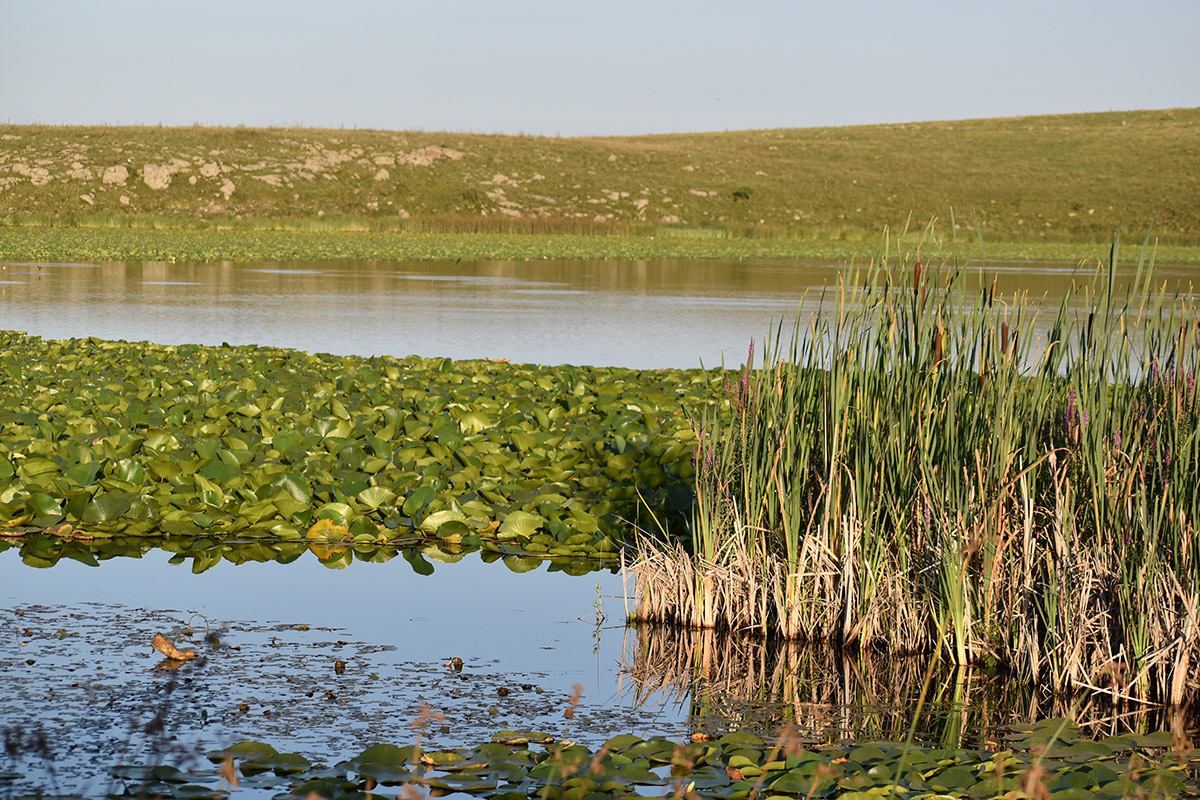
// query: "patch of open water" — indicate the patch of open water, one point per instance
point(640, 314)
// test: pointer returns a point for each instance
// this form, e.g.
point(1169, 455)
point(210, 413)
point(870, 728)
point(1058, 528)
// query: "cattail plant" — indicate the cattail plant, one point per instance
point(929, 465)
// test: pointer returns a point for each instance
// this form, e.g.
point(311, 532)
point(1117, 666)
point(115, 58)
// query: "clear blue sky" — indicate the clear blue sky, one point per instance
point(572, 68)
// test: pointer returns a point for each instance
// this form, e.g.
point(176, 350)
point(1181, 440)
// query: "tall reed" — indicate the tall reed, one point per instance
point(927, 464)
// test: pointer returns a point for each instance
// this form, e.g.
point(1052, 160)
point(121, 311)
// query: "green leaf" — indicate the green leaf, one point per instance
point(520, 524)
point(295, 485)
point(376, 496)
point(439, 518)
point(106, 507)
point(242, 750)
point(417, 501)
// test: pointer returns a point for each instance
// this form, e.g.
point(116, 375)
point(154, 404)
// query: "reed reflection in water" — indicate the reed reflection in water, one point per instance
point(727, 682)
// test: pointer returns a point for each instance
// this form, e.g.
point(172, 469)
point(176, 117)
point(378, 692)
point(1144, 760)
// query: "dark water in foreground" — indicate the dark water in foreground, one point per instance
point(79, 669)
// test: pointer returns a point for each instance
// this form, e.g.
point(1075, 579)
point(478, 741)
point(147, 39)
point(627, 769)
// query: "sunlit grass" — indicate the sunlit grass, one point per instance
point(1043, 178)
point(211, 244)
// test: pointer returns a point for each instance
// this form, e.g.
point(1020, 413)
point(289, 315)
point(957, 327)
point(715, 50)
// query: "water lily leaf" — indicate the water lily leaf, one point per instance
point(43, 505)
point(106, 507)
point(324, 530)
point(168, 649)
point(336, 513)
point(242, 750)
point(295, 485)
point(417, 501)
point(36, 467)
point(128, 470)
point(282, 763)
point(439, 518)
point(520, 524)
point(954, 778)
point(376, 496)
point(474, 422)
point(81, 474)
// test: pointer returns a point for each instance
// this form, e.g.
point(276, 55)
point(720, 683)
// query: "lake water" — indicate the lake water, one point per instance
point(641, 314)
point(76, 655)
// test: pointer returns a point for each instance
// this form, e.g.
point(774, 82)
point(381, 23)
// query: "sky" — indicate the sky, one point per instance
point(572, 68)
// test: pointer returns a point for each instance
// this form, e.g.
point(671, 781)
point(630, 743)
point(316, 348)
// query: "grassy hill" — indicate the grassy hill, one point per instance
point(1067, 178)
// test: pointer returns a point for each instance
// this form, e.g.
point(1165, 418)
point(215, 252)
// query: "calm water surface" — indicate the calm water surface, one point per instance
point(642, 314)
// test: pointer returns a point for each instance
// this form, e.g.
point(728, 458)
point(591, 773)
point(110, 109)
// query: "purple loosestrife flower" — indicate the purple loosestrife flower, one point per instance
point(1069, 415)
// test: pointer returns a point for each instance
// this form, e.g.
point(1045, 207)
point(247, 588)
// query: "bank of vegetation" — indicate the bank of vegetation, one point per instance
point(928, 467)
point(1059, 178)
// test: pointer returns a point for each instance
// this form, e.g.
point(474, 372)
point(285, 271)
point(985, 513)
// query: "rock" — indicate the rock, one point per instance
point(210, 170)
point(227, 188)
point(124, 200)
point(404, 214)
point(385, 161)
point(38, 176)
point(87, 198)
point(382, 175)
point(117, 175)
point(156, 176)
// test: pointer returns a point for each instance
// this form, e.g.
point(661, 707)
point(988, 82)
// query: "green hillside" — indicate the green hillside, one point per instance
point(1052, 178)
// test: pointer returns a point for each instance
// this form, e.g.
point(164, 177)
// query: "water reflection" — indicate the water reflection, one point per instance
point(726, 683)
point(642, 314)
point(79, 668)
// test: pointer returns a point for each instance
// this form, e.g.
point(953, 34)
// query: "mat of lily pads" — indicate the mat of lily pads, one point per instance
point(101, 438)
point(1044, 760)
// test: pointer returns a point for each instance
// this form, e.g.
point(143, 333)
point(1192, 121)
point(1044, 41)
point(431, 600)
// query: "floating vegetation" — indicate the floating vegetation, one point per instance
point(147, 244)
point(1047, 759)
point(100, 439)
point(923, 471)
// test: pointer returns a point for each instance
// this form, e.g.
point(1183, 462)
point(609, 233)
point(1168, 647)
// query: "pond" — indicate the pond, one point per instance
point(638, 314)
point(76, 654)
